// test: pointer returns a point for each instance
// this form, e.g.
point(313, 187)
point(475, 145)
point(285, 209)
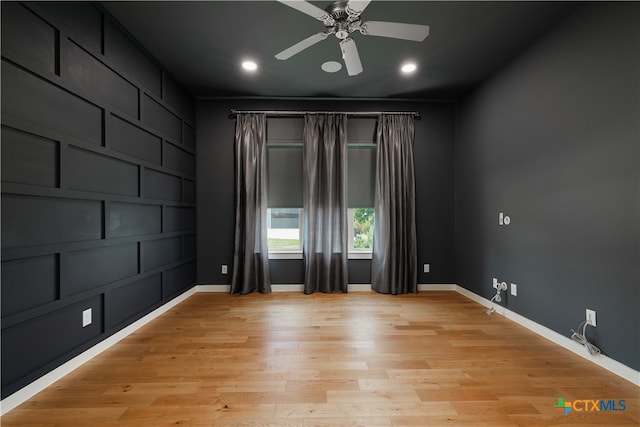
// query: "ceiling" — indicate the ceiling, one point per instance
point(202, 44)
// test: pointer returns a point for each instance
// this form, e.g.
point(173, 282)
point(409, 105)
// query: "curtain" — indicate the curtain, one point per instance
point(394, 263)
point(324, 159)
point(251, 255)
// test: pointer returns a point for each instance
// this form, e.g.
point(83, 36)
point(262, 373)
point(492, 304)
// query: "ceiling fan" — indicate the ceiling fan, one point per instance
point(341, 18)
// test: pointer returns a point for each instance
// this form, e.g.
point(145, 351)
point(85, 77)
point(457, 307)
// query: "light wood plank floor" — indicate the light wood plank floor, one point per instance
point(360, 359)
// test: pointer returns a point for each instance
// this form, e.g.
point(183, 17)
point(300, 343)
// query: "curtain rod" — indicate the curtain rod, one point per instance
point(234, 112)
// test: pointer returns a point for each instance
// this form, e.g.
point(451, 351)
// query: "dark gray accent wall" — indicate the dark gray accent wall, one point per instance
point(98, 182)
point(553, 142)
point(433, 151)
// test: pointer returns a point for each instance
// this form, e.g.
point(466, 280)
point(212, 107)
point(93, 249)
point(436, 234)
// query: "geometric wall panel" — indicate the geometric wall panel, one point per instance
point(132, 61)
point(25, 35)
point(179, 219)
point(32, 99)
point(29, 159)
point(78, 220)
point(89, 268)
point(133, 219)
point(189, 246)
point(159, 185)
point(82, 70)
point(179, 160)
point(160, 252)
point(174, 279)
point(28, 221)
point(189, 191)
point(28, 283)
point(176, 98)
point(49, 337)
point(101, 174)
point(134, 141)
point(158, 117)
point(189, 136)
point(129, 300)
point(83, 18)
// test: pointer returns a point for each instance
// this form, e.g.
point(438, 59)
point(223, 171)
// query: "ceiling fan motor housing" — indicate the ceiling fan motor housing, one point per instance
point(344, 22)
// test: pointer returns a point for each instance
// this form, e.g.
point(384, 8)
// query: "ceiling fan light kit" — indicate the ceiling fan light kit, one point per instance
point(341, 18)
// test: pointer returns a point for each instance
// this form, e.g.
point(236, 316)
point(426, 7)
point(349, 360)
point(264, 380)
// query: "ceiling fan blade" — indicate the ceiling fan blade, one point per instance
point(307, 8)
point(301, 45)
point(357, 6)
point(395, 30)
point(351, 57)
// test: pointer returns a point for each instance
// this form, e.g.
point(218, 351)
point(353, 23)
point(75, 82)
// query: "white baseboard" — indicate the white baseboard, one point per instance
point(438, 287)
point(48, 379)
point(601, 360)
point(213, 288)
point(354, 287)
point(25, 393)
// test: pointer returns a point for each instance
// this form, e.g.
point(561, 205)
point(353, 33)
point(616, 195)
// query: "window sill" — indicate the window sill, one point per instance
point(285, 255)
point(298, 255)
point(360, 255)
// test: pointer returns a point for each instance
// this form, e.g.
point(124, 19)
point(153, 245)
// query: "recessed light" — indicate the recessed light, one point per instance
point(409, 67)
point(249, 65)
point(331, 66)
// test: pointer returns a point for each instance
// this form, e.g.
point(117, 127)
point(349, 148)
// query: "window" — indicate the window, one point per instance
point(284, 229)
point(360, 223)
point(284, 187)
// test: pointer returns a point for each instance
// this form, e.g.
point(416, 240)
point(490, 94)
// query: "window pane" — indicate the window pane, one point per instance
point(283, 229)
point(284, 177)
point(362, 224)
point(361, 171)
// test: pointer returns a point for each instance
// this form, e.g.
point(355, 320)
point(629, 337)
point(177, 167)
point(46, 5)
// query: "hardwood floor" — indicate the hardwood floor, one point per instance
point(358, 359)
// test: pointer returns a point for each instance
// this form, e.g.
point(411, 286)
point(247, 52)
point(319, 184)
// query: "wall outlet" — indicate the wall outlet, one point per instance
point(514, 289)
point(224, 269)
point(591, 317)
point(425, 268)
point(500, 286)
point(86, 317)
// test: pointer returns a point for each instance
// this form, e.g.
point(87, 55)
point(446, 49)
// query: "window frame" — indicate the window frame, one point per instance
point(289, 253)
point(355, 253)
point(360, 141)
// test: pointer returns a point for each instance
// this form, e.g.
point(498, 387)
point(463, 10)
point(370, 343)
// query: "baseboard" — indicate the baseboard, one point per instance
point(438, 287)
point(601, 360)
point(353, 287)
point(10, 402)
point(213, 288)
point(27, 392)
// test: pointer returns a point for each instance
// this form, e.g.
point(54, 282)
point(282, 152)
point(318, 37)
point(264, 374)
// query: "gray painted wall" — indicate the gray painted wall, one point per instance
point(553, 141)
point(98, 185)
point(433, 151)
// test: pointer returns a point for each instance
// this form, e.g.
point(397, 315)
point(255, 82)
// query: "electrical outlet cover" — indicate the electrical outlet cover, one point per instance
point(86, 317)
point(591, 317)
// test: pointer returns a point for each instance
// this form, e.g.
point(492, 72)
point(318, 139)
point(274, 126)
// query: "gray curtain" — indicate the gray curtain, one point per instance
point(324, 159)
point(394, 263)
point(251, 255)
